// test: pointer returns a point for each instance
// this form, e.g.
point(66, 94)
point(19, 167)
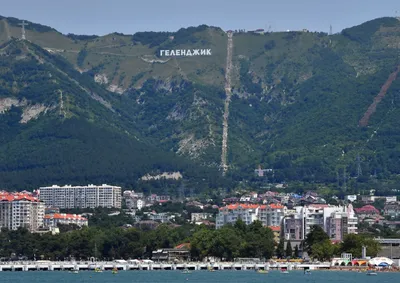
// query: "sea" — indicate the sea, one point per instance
point(195, 276)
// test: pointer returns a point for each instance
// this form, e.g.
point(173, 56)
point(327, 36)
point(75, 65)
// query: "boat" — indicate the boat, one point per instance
point(74, 271)
point(262, 271)
point(114, 270)
point(210, 269)
point(371, 273)
point(98, 270)
point(284, 270)
point(307, 272)
point(186, 271)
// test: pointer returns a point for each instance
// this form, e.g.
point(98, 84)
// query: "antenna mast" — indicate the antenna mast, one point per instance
point(23, 24)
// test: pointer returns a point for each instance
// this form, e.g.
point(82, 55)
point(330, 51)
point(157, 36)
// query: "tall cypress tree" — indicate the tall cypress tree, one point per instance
point(296, 251)
point(280, 249)
point(289, 250)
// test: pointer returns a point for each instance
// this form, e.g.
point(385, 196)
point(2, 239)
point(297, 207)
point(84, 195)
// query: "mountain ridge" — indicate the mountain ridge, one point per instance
point(295, 98)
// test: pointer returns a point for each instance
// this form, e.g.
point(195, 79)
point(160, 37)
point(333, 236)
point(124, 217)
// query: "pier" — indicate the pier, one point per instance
point(82, 266)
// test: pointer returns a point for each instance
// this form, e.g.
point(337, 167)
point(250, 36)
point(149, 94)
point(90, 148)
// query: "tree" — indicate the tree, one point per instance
point(289, 250)
point(316, 235)
point(353, 244)
point(200, 244)
point(296, 252)
point(280, 249)
point(322, 250)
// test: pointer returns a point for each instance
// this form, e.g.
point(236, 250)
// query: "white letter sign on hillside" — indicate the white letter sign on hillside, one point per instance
point(186, 52)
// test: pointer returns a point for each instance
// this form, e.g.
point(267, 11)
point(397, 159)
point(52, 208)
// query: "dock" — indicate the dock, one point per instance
point(104, 266)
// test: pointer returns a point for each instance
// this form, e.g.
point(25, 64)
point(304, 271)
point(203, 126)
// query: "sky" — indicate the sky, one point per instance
point(129, 16)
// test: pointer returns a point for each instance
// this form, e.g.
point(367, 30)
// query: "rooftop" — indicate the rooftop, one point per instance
point(65, 216)
point(5, 196)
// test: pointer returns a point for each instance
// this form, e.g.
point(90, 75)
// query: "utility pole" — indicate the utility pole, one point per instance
point(23, 24)
point(330, 30)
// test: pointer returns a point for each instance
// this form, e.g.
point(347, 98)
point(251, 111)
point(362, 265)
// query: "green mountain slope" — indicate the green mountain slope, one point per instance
point(59, 126)
point(298, 97)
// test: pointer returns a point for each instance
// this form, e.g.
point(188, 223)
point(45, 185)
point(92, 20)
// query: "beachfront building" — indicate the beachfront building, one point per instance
point(52, 220)
point(20, 210)
point(89, 196)
point(337, 221)
point(269, 215)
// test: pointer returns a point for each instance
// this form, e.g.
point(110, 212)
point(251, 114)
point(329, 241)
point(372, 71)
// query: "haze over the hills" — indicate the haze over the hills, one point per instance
point(125, 16)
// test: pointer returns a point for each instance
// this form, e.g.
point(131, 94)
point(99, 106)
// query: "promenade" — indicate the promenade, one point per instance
point(68, 266)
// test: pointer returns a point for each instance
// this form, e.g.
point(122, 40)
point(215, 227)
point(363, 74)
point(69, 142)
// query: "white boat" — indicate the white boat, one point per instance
point(372, 273)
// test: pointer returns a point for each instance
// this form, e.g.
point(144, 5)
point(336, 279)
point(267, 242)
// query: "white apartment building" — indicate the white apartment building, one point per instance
point(20, 210)
point(199, 216)
point(134, 203)
point(52, 220)
point(89, 196)
point(269, 215)
point(336, 221)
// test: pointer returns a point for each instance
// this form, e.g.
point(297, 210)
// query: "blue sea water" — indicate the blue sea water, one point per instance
point(195, 276)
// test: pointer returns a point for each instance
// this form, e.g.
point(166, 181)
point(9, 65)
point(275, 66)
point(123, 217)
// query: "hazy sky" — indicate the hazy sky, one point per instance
point(129, 16)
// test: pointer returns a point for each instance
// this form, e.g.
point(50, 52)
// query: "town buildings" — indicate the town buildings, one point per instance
point(52, 220)
point(367, 211)
point(392, 209)
point(337, 221)
point(90, 196)
point(21, 210)
point(269, 215)
point(199, 216)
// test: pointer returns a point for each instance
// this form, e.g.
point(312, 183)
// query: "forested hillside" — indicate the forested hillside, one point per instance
point(311, 106)
point(59, 126)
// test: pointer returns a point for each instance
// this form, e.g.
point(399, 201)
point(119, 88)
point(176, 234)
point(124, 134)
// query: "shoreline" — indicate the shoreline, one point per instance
point(191, 266)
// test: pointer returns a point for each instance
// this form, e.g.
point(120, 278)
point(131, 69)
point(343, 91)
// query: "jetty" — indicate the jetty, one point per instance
point(105, 266)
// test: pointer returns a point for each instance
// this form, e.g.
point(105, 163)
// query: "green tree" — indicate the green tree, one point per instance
point(296, 252)
point(289, 250)
point(322, 250)
point(353, 244)
point(201, 243)
point(280, 249)
point(316, 235)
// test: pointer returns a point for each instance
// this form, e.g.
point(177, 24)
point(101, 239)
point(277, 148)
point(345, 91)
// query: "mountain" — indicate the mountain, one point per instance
point(59, 126)
point(310, 106)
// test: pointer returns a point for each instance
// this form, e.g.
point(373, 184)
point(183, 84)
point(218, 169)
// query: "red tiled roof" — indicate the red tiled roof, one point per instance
point(182, 246)
point(367, 209)
point(65, 216)
point(242, 206)
point(275, 228)
point(251, 206)
point(5, 196)
point(275, 206)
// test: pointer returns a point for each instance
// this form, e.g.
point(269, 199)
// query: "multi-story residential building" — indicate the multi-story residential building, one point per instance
point(371, 199)
point(156, 198)
point(269, 215)
point(90, 196)
point(20, 210)
point(340, 224)
point(337, 221)
point(196, 217)
point(134, 203)
point(276, 230)
point(52, 220)
point(392, 209)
